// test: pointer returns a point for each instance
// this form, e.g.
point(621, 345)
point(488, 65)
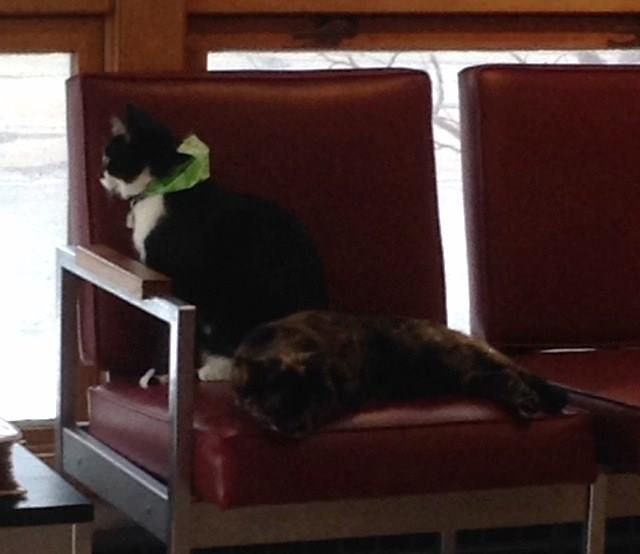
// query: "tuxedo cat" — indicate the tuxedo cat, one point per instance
point(240, 259)
point(309, 368)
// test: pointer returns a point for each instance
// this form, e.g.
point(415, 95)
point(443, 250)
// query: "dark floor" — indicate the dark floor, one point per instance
point(623, 537)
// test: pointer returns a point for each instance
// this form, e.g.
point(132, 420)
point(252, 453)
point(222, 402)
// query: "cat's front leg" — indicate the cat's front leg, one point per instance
point(152, 376)
point(505, 387)
point(552, 397)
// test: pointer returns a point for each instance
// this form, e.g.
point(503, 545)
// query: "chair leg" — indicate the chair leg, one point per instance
point(594, 537)
point(448, 542)
point(181, 368)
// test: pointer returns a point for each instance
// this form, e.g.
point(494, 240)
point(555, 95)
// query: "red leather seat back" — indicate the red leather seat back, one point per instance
point(350, 153)
point(552, 197)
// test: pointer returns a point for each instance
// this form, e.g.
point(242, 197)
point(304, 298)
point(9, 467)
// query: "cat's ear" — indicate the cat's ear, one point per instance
point(143, 126)
point(138, 120)
point(118, 127)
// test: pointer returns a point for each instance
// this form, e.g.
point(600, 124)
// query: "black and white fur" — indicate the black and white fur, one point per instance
point(240, 259)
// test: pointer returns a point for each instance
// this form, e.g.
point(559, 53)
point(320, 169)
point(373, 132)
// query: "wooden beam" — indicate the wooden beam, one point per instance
point(55, 7)
point(82, 36)
point(396, 32)
point(146, 35)
point(411, 6)
point(124, 273)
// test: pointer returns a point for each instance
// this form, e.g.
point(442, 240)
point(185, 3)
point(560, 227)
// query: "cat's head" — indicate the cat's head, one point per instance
point(140, 148)
point(285, 387)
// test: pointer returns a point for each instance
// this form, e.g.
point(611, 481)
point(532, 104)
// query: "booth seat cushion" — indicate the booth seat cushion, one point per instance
point(607, 384)
point(414, 448)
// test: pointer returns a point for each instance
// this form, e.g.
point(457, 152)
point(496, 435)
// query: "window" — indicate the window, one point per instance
point(442, 67)
point(33, 207)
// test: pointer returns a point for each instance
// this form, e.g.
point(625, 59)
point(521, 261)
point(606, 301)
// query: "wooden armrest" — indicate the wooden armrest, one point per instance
point(123, 272)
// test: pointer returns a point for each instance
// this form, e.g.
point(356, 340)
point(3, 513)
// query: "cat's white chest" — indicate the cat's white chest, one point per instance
point(144, 216)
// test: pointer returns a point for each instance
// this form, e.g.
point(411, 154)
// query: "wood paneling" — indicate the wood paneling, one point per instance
point(146, 35)
point(82, 36)
point(410, 6)
point(55, 7)
point(411, 32)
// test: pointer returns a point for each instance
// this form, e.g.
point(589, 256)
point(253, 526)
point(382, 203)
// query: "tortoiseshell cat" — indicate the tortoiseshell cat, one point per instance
point(307, 369)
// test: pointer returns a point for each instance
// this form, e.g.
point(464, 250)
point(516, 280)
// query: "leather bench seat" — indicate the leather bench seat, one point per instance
point(413, 448)
point(604, 382)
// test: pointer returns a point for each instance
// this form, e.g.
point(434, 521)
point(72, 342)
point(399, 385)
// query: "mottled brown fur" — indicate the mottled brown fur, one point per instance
point(302, 371)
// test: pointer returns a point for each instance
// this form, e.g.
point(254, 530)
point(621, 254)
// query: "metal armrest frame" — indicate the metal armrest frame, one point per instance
point(163, 509)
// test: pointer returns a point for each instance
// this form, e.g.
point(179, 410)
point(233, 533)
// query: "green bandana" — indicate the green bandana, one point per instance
point(189, 173)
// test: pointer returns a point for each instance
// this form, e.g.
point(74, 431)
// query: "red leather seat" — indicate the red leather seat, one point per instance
point(605, 383)
point(393, 450)
point(552, 197)
point(351, 154)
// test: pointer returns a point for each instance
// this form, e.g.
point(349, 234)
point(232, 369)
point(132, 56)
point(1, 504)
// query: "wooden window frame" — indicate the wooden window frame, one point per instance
point(215, 25)
point(412, 6)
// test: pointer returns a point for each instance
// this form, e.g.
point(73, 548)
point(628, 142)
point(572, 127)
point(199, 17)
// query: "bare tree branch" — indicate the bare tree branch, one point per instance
point(450, 126)
point(444, 146)
point(439, 89)
point(519, 57)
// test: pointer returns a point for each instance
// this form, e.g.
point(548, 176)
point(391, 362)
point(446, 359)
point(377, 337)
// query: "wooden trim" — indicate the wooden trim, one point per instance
point(40, 440)
point(123, 272)
point(55, 7)
point(411, 32)
point(81, 36)
point(144, 35)
point(411, 6)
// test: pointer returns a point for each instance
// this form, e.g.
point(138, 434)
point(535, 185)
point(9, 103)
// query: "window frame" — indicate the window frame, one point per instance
point(209, 30)
point(411, 6)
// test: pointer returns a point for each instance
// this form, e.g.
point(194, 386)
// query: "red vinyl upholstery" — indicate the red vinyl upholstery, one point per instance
point(550, 157)
point(604, 382)
point(415, 448)
point(351, 154)
point(318, 147)
point(552, 197)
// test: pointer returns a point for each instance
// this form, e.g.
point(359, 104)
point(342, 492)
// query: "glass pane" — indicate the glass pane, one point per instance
point(33, 207)
point(443, 68)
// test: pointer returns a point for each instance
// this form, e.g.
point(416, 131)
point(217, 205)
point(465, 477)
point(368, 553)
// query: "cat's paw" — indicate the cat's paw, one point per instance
point(150, 376)
point(216, 368)
point(554, 399)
